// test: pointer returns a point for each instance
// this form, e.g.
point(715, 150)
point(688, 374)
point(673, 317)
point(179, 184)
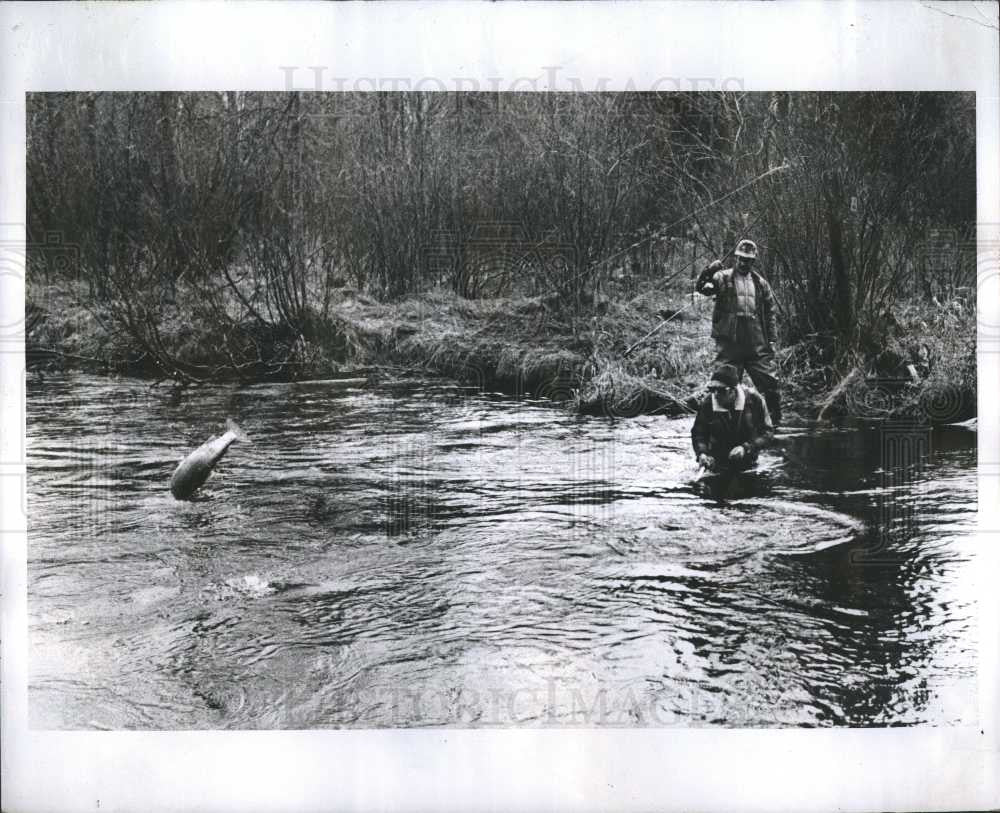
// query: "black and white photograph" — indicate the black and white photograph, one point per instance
point(536, 408)
point(423, 409)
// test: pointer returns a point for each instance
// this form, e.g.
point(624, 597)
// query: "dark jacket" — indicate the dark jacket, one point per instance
point(717, 431)
point(724, 315)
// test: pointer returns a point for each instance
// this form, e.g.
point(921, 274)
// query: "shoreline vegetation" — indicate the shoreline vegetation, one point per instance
point(536, 347)
point(519, 242)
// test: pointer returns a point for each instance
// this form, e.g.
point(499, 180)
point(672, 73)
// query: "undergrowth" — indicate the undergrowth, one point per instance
point(924, 366)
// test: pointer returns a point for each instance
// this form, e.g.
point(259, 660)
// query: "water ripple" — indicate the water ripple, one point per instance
point(429, 555)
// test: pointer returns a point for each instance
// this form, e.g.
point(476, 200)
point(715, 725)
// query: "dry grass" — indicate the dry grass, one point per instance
point(521, 345)
point(575, 356)
point(661, 374)
point(936, 342)
point(535, 345)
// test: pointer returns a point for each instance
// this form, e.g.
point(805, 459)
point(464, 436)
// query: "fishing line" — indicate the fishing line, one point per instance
point(655, 330)
point(661, 233)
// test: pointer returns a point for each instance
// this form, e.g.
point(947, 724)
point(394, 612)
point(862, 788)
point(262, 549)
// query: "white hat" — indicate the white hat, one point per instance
point(746, 248)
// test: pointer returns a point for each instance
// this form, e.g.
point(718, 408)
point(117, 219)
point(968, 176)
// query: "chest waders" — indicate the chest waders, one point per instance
point(745, 346)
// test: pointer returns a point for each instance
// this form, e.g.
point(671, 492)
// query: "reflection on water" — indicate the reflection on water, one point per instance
point(418, 554)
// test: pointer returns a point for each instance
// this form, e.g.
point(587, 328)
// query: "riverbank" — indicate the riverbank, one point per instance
point(923, 368)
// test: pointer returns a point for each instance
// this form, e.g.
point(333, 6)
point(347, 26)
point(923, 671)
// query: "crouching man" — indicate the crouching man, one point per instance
point(732, 425)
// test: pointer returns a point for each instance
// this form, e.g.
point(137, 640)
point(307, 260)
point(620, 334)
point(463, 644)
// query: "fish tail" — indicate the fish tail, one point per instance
point(234, 427)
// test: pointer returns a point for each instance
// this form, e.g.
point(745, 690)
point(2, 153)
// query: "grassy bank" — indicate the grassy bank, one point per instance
point(924, 366)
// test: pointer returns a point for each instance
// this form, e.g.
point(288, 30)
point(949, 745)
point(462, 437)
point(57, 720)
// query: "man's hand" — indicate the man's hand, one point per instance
point(738, 453)
point(704, 284)
point(706, 461)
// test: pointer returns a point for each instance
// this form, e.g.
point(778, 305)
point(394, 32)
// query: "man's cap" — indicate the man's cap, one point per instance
point(725, 376)
point(746, 248)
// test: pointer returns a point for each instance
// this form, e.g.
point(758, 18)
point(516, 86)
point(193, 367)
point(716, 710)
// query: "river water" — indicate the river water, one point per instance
point(411, 553)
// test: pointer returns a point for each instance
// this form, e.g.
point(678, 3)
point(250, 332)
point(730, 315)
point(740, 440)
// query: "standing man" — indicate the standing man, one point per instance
point(732, 424)
point(743, 323)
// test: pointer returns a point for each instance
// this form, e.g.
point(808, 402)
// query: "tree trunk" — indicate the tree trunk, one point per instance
point(842, 282)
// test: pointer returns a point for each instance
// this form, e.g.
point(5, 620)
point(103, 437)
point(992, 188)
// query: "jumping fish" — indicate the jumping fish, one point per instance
point(194, 469)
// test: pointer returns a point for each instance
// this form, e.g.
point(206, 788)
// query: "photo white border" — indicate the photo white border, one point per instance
point(873, 45)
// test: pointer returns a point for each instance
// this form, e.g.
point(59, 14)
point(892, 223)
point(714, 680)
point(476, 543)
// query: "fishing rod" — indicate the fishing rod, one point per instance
point(746, 236)
point(662, 324)
point(661, 234)
point(687, 265)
